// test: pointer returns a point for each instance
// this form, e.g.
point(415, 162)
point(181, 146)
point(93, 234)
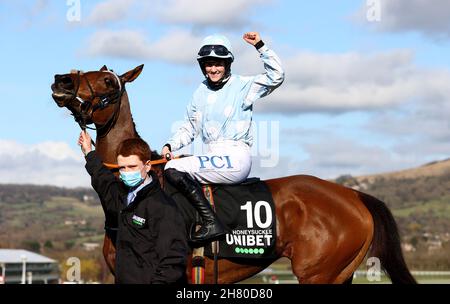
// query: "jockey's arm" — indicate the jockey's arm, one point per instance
point(187, 131)
point(265, 83)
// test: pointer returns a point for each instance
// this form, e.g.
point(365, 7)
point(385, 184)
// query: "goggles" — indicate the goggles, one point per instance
point(219, 50)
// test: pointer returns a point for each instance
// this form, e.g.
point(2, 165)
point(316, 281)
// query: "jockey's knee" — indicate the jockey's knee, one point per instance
point(175, 176)
point(171, 174)
point(177, 164)
point(169, 165)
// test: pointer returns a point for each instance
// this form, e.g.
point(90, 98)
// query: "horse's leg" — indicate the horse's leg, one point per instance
point(306, 242)
point(327, 265)
point(349, 281)
point(347, 273)
point(232, 271)
point(308, 262)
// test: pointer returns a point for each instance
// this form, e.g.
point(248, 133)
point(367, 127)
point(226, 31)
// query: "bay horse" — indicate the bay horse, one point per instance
point(325, 229)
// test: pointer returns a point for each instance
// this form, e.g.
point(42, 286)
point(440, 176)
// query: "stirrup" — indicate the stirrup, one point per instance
point(208, 237)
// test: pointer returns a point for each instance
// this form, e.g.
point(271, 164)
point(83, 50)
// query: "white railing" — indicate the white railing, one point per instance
point(418, 273)
point(273, 276)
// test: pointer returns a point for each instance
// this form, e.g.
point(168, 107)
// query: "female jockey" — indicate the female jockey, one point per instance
point(221, 110)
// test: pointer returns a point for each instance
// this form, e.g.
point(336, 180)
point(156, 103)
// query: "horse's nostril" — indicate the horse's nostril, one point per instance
point(62, 78)
point(64, 81)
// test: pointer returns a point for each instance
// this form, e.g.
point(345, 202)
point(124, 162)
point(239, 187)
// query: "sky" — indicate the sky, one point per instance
point(366, 88)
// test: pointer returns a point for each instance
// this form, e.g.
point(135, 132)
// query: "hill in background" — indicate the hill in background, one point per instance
point(420, 201)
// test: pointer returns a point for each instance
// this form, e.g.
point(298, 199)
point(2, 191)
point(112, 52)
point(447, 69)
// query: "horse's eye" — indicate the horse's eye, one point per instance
point(108, 82)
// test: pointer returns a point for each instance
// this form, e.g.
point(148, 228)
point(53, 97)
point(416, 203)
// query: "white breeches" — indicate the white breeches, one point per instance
point(227, 162)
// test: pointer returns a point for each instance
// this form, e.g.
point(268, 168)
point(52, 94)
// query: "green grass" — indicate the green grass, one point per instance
point(288, 278)
point(46, 221)
point(419, 279)
point(439, 208)
point(73, 207)
point(291, 279)
point(91, 239)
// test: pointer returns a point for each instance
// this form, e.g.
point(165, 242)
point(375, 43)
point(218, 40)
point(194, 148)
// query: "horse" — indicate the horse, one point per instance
point(325, 229)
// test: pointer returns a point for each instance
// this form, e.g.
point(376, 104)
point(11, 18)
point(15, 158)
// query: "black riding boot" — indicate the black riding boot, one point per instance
point(211, 227)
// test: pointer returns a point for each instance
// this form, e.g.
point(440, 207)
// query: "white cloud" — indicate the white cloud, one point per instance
point(109, 11)
point(232, 13)
point(196, 14)
point(332, 156)
point(178, 46)
point(28, 13)
point(354, 81)
point(286, 166)
point(422, 130)
point(39, 6)
point(47, 163)
point(57, 150)
point(430, 18)
point(349, 157)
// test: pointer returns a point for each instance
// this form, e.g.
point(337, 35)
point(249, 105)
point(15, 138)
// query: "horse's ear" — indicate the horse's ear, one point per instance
point(103, 68)
point(132, 74)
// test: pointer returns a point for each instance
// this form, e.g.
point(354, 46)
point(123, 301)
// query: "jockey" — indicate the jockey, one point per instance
point(221, 111)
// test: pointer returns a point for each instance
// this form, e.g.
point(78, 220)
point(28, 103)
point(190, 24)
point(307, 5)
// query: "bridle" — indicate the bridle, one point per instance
point(87, 106)
point(104, 101)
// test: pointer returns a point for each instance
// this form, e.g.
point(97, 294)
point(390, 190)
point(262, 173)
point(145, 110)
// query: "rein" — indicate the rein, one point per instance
point(152, 162)
point(105, 100)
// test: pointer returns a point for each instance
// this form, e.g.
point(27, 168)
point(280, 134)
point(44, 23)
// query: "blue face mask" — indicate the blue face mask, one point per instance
point(131, 179)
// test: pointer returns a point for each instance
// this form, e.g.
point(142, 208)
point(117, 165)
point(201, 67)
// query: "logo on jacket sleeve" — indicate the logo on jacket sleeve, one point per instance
point(138, 220)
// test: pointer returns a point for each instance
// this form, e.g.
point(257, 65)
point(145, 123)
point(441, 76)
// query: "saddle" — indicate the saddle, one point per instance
point(246, 209)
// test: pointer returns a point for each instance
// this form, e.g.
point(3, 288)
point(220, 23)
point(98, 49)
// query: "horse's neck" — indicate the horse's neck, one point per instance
point(123, 128)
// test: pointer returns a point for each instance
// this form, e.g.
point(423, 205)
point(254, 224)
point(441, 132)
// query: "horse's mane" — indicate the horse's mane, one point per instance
point(134, 128)
point(155, 155)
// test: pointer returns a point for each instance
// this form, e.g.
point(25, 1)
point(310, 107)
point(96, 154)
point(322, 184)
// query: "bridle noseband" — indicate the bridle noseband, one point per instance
point(104, 100)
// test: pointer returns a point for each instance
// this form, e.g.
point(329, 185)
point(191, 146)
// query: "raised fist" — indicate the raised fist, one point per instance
point(252, 37)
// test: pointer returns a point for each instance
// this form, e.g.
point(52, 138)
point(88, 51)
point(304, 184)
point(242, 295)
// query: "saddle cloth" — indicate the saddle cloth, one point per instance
point(246, 209)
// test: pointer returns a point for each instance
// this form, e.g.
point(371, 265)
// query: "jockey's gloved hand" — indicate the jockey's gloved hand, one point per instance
point(166, 151)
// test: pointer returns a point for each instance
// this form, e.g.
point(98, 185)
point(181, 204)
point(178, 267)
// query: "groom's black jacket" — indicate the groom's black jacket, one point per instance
point(151, 244)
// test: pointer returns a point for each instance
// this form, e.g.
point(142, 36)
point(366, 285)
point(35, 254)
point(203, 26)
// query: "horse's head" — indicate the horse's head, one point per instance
point(92, 97)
